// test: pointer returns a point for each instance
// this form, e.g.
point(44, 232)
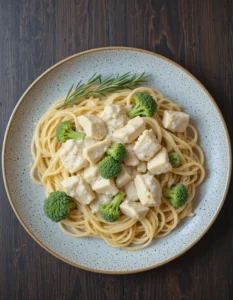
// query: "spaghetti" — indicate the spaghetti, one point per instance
point(126, 233)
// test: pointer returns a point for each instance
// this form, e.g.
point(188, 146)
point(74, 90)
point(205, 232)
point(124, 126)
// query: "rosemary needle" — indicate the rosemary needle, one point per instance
point(110, 84)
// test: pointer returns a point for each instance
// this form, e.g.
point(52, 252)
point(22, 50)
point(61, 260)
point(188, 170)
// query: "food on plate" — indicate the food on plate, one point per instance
point(174, 159)
point(109, 167)
point(65, 131)
point(118, 162)
point(95, 152)
point(175, 121)
point(144, 105)
point(110, 212)
point(134, 210)
point(58, 205)
point(118, 152)
point(93, 126)
point(130, 131)
point(177, 195)
point(160, 163)
point(146, 145)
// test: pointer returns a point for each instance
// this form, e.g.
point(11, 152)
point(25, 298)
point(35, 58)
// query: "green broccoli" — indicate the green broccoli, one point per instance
point(109, 167)
point(66, 131)
point(177, 195)
point(145, 106)
point(175, 159)
point(117, 151)
point(110, 212)
point(58, 205)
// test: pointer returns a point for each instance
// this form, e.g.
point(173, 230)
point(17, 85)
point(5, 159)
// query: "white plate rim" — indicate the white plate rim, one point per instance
point(110, 49)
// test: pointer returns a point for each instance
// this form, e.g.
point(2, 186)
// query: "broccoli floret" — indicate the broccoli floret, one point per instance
point(117, 151)
point(175, 159)
point(58, 205)
point(109, 167)
point(145, 106)
point(110, 212)
point(177, 195)
point(66, 131)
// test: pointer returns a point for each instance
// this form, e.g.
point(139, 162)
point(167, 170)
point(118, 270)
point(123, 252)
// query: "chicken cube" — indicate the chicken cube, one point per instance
point(100, 198)
point(132, 171)
point(130, 158)
point(77, 188)
point(123, 178)
point(114, 116)
point(130, 131)
point(146, 145)
point(88, 142)
point(105, 186)
point(175, 121)
point(148, 189)
point(159, 163)
point(71, 156)
point(93, 126)
point(95, 152)
point(130, 191)
point(134, 210)
point(94, 206)
point(90, 173)
point(142, 167)
point(103, 198)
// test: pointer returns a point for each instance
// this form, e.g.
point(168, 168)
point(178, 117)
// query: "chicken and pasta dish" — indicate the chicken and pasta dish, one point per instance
point(118, 161)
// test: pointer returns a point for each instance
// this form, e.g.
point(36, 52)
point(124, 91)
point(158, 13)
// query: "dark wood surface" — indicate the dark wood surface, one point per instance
point(35, 34)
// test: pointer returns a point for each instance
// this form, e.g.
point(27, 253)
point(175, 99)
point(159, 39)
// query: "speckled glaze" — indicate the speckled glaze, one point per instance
point(175, 83)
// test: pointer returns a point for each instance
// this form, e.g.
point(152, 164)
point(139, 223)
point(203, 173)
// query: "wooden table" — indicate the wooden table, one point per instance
point(35, 34)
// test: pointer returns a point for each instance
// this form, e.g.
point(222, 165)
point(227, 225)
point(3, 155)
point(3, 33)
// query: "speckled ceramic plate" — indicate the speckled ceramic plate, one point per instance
point(174, 82)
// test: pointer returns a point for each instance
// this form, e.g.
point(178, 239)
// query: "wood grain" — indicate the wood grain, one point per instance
point(35, 34)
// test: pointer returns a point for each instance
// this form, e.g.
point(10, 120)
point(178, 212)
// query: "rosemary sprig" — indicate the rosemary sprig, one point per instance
point(110, 84)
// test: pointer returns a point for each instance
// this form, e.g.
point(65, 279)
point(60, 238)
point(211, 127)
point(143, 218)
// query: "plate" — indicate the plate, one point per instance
point(175, 83)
